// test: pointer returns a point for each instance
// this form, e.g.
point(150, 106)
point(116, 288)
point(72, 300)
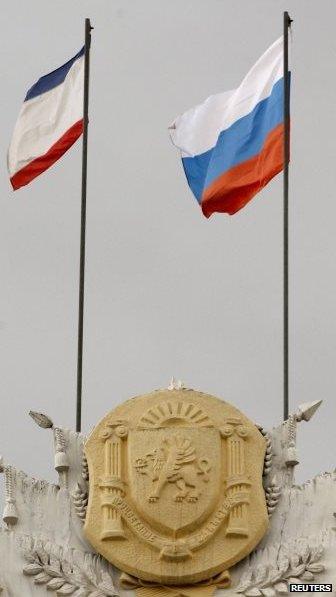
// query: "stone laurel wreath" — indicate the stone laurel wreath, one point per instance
point(66, 571)
point(80, 500)
point(269, 451)
point(85, 468)
point(295, 566)
point(272, 494)
point(272, 490)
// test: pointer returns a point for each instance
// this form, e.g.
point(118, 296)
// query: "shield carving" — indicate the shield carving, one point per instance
point(174, 475)
point(176, 492)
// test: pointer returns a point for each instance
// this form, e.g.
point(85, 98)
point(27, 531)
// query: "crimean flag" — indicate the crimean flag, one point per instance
point(50, 121)
point(232, 144)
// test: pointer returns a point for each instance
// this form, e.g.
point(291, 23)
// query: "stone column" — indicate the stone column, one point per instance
point(112, 484)
point(237, 481)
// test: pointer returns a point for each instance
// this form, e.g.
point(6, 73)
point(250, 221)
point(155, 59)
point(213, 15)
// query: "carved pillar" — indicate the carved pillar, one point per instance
point(112, 484)
point(61, 457)
point(291, 454)
point(10, 514)
point(237, 481)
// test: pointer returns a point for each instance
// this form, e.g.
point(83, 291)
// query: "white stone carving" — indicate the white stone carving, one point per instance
point(10, 514)
point(80, 500)
point(85, 469)
point(269, 451)
point(41, 420)
point(302, 523)
point(304, 413)
point(176, 385)
point(69, 572)
point(273, 493)
point(296, 564)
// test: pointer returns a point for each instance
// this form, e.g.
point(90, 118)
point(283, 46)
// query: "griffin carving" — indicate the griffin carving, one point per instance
point(175, 461)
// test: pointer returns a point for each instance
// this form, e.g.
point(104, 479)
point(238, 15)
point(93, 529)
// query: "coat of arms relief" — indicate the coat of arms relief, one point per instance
point(175, 493)
point(175, 477)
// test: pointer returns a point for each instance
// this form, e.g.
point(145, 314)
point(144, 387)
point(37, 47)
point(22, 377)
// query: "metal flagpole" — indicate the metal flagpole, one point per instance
point(286, 25)
point(83, 223)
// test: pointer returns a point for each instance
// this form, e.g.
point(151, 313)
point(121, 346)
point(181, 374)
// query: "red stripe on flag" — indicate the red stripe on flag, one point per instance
point(231, 191)
point(42, 163)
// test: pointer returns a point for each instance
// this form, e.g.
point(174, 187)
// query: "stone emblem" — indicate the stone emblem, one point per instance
point(175, 462)
point(176, 493)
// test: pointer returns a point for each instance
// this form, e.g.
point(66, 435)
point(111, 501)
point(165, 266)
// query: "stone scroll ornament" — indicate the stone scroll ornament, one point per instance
point(175, 490)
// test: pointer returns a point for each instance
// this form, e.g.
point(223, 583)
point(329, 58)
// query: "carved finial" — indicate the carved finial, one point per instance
point(176, 385)
point(41, 420)
point(307, 410)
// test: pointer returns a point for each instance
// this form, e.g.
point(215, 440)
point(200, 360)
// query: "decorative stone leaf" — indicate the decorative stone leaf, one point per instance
point(268, 592)
point(80, 501)
point(107, 589)
point(298, 570)
point(308, 576)
point(281, 587)
point(54, 571)
point(55, 583)
point(85, 468)
point(315, 568)
point(41, 579)
point(67, 589)
point(296, 563)
point(243, 587)
point(32, 569)
point(68, 572)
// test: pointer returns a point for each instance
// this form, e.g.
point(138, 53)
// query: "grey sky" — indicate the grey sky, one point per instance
point(167, 292)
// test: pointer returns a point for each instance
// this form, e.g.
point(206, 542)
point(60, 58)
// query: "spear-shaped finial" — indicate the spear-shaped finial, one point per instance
point(307, 410)
point(304, 413)
point(41, 420)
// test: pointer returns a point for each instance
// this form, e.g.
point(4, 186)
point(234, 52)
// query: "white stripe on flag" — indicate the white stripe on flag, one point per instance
point(45, 118)
point(197, 130)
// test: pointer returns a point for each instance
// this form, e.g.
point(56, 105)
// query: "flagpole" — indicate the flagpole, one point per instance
point(83, 223)
point(286, 25)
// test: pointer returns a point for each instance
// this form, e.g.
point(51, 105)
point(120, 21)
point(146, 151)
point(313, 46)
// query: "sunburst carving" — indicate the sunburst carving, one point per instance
point(168, 412)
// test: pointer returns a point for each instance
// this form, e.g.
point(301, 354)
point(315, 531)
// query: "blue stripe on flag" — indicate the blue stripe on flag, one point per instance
point(241, 141)
point(195, 170)
point(53, 79)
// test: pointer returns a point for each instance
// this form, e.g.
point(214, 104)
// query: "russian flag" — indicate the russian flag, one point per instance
point(50, 121)
point(232, 144)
